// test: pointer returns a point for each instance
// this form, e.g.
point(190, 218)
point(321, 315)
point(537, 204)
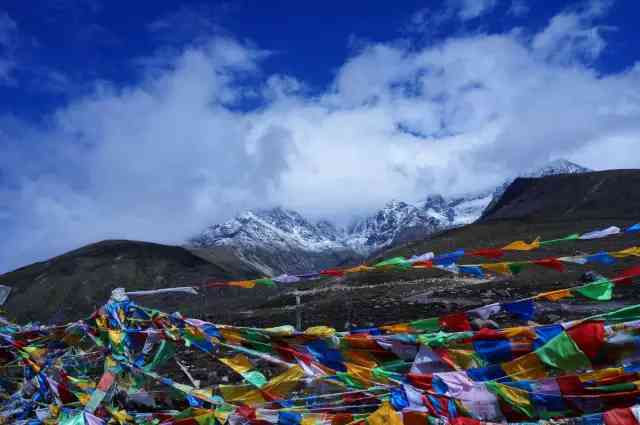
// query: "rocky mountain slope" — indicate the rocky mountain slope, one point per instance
point(280, 240)
point(69, 286)
point(73, 284)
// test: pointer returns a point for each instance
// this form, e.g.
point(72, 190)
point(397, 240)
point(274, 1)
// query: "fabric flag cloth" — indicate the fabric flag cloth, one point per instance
point(555, 295)
point(633, 229)
point(488, 253)
point(522, 246)
point(332, 272)
point(448, 258)
point(422, 257)
point(286, 278)
point(486, 311)
point(455, 322)
point(182, 289)
point(579, 259)
point(566, 238)
point(385, 415)
point(502, 268)
point(597, 234)
point(600, 291)
point(601, 257)
point(550, 263)
point(394, 262)
point(562, 353)
point(475, 271)
point(524, 310)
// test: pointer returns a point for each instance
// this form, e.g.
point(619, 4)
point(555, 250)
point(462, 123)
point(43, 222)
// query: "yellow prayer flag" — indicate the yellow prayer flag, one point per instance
point(497, 267)
point(359, 269)
point(398, 328)
point(525, 367)
point(239, 363)
point(116, 336)
point(522, 246)
point(598, 375)
point(520, 332)
point(629, 252)
point(312, 419)
point(320, 331)
point(277, 387)
point(231, 336)
point(362, 374)
point(558, 295)
point(385, 415)
point(235, 392)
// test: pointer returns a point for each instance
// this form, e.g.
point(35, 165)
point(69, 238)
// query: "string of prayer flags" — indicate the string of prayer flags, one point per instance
point(449, 262)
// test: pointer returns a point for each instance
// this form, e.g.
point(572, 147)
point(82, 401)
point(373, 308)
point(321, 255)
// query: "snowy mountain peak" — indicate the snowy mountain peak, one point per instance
point(557, 166)
point(292, 239)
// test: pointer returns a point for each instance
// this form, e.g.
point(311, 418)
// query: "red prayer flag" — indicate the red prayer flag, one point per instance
point(463, 420)
point(589, 337)
point(488, 253)
point(550, 263)
point(332, 272)
point(455, 322)
point(622, 416)
point(625, 277)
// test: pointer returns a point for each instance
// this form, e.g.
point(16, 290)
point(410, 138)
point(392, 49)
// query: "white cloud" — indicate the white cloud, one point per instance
point(572, 34)
point(160, 159)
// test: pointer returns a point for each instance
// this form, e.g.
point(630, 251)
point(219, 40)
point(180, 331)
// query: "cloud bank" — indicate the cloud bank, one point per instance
point(181, 148)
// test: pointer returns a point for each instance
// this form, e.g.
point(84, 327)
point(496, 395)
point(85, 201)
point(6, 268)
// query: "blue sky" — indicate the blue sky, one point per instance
point(150, 120)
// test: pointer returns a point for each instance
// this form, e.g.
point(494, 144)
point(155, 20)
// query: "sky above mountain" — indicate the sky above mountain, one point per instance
point(149, 120)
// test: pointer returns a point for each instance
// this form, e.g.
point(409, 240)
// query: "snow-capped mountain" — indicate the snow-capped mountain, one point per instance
point(278, 239)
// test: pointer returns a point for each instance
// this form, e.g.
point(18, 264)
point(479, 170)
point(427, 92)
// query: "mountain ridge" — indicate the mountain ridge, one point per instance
point(272, 236)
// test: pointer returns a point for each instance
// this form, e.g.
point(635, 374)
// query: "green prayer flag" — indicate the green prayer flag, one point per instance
point(566, 238)
point(440, 339)
point(265, 281)
point(426, 325)
point(394, 262)
point(515, 267)
point(348, 380)
point(562, 353)
point(380, 373)
point(601, 290)
point(255, 378)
